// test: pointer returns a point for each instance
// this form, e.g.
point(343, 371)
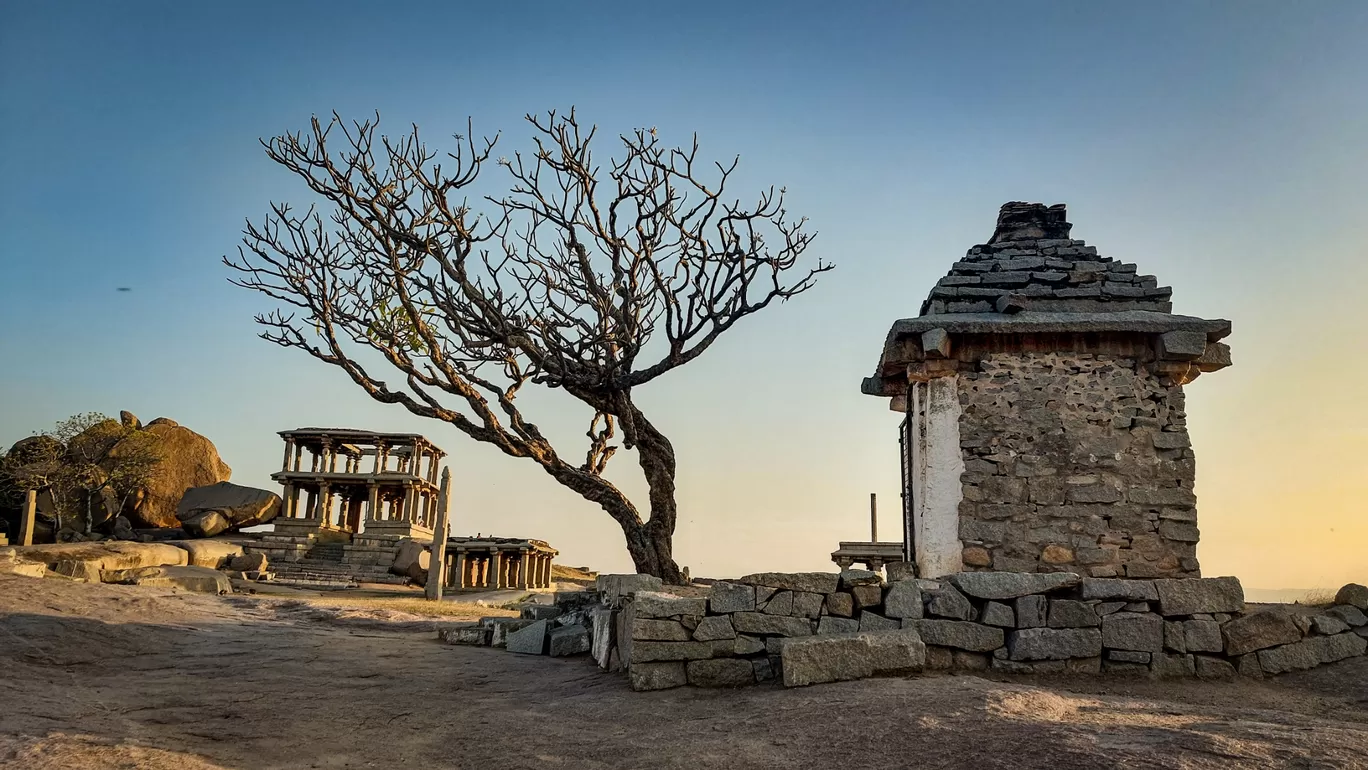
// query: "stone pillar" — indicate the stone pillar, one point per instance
point(483, 581)
point(437, 573)
point(298, 456)
point(325, 497)
point(497, 568)
point(310, 504)
point(372, 502)
point(26, 517)
point(523, 558)
point(289, 450)
point(313, 461)
point(354, 513)
point(937, 466)
point(457, 577)
point(287, 502)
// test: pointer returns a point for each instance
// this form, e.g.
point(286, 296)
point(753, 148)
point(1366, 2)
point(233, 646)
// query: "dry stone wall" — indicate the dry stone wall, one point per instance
point(815, 627)
point(1075, 462)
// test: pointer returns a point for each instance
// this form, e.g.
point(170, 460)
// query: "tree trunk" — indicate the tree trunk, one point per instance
point(656, 457)
point(652, 551)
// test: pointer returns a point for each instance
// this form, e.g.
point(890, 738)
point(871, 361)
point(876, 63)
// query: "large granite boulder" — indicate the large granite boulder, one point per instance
point(188, 460)
point(209, 510)
point(411, 560)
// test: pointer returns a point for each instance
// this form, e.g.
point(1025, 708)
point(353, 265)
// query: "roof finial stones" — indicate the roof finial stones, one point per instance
point(1021, 221)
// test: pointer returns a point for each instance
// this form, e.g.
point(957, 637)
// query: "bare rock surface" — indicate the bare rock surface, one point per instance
point(198, 579)
point(141, 700)
point(104, 555)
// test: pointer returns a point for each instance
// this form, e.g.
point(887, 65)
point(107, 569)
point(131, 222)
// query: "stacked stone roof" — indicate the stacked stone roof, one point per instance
point(1031, 264)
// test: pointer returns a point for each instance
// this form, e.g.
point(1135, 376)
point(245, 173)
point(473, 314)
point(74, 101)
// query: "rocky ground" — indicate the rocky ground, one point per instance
point(109, 676)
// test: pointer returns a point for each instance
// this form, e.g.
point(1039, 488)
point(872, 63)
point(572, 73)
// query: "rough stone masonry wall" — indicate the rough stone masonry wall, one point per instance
point(810, 628)
point(1075, 462)
point(815, 627)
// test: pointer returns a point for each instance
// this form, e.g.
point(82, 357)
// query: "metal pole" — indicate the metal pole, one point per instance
point(873, 518)
point(437, 562)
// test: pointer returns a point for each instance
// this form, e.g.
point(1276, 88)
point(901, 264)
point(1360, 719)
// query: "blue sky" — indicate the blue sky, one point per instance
point(1219, 145)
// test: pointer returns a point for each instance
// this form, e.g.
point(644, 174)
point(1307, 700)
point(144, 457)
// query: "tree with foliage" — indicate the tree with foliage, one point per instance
point(81, 461)
point(595, 280)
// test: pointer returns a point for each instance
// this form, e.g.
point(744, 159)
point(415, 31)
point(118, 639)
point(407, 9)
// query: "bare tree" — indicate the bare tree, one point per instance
point(567, 280)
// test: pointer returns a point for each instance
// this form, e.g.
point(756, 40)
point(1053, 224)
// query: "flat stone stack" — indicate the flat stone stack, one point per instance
point(1032, 264)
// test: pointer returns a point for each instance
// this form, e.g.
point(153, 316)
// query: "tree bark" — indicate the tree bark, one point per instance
point(655, 455)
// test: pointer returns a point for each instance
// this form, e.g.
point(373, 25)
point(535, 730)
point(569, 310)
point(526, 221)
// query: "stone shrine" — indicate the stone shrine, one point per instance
point(1045, 428)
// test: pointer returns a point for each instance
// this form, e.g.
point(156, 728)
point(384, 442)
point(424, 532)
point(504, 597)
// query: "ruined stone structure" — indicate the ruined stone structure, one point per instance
point(497, 562)
point(1045, 427)
point(387, 482)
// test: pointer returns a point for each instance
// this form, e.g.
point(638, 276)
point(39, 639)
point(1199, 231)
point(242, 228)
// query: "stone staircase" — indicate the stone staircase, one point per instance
point(322, 566)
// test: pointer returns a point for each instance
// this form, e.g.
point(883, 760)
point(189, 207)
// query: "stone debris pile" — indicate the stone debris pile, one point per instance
point(560, 629)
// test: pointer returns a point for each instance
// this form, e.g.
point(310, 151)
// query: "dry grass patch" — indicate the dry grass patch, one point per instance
point(1321, 597)
point(413, 605)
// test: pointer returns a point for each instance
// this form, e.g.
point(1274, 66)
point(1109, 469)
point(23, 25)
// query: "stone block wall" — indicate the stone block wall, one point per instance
point(1075, 462)
point(815, 627)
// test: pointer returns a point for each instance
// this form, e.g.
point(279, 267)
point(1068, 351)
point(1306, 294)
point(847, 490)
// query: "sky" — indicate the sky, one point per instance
point(1219, 145)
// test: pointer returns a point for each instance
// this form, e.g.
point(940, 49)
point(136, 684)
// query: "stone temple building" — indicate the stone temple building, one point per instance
point(1045, 427)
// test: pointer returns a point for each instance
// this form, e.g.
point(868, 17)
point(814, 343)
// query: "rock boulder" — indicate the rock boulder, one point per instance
point(411, 560)
point(240, 506)
point(214, 554)
point(187, 460)
point(1353, 594)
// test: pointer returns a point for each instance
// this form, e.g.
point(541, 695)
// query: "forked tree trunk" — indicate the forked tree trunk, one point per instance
point(651, 550)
